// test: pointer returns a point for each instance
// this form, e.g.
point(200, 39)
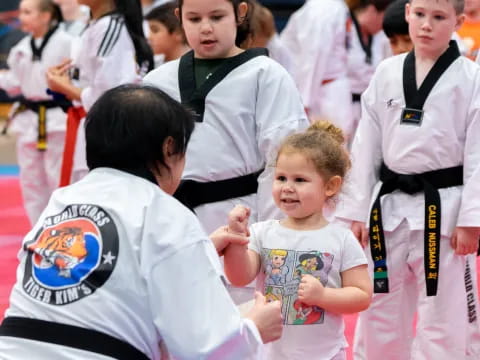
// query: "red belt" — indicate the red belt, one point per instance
point(74, 115)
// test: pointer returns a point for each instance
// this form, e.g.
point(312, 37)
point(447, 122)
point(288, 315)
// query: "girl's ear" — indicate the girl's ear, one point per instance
point(333, 185)
point(177, 14)
point(242, 11)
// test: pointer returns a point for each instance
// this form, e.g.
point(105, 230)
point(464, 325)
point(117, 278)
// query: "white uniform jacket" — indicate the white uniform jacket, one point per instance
point(103, 57)
point(447, 137)
point(316, 37)
point(246, 117)
point(139, 267)
point(28, 77)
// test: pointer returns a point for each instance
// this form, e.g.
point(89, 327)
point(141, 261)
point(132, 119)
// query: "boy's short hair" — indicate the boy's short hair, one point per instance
point(458, 5)
point(394, 22)
point(165, 14)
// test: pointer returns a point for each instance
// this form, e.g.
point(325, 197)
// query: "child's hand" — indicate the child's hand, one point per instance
point(310, 290)
point(360, 232)
point(238, 220)
point(465, 240)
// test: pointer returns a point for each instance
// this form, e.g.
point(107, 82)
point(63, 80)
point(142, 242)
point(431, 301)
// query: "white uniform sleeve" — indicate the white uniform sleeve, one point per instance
point(9, 81)
point(366, 157)
point(311, 53)
point(469, 214)
point(112, 66)
point(191, 308)
point(279, 113)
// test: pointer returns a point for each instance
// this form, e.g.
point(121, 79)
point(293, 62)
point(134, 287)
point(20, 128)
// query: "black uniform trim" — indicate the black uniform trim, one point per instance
point(193, 98)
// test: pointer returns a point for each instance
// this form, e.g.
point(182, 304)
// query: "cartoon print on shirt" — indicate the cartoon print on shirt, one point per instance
point(283, 271)
point(276, 270)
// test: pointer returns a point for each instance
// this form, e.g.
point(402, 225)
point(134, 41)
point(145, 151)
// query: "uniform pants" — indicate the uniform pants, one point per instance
point(385, 330)
point(39, 172)
point(473, 323)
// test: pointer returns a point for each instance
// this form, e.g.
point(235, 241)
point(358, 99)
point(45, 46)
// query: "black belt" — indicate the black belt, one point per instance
point(356, 97)
point(71, 336)
point(193, 193)
point(428, 182)
point(40, 107)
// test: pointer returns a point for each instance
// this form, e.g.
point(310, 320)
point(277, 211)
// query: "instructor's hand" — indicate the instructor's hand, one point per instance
point(221, 238)
point(267, 317)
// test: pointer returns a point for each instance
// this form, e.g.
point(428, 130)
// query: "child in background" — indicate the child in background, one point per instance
point(317, 269)
point(416, 158)
point(39, 122)
point(316, 37)
point(75, 16)
point(366, 47)
point(264, 34)
point(111, 51)
point(166, 37)
point(470, 30)
point(396, 27)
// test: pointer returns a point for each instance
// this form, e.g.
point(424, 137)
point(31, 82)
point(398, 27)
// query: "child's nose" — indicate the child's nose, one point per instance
point(206, 26)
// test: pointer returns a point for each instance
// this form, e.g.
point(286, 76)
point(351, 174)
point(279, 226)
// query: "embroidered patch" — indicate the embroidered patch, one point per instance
point(71, 256)
point(411, 117)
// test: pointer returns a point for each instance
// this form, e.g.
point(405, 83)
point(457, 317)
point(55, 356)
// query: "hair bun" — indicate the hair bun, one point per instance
point(327, 127)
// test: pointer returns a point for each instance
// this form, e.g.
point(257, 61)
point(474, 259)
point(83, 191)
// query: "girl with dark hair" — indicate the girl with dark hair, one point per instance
point(38, 121)
point(116, 265)
point(244, 104)
point(111, 51)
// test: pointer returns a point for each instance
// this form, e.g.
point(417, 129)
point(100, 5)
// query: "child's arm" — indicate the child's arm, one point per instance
point(355, 294)
point(241, 264)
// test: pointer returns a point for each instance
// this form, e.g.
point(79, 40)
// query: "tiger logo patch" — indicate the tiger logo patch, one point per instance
point(71, 255)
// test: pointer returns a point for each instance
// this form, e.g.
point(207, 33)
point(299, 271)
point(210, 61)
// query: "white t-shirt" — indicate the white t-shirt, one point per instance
point(287, 254)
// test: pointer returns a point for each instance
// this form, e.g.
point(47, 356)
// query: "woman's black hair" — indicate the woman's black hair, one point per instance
point(394, 22)
point(127, 126)
point(132, 13)
point(244, 27)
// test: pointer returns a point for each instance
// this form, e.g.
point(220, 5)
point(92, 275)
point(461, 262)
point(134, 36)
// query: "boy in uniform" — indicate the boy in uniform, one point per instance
point(416, 159)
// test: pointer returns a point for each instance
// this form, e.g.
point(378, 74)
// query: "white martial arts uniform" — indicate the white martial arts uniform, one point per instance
point(309, 332)
point(447, 137)
point(39, 170)
point(162, 276)
point(103, 57)
point(280, 53)
point(316, 36)
point(247, 115)
point(361, 65)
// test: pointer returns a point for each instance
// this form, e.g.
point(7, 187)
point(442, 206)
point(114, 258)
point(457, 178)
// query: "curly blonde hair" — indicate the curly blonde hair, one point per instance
point(323, 144)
